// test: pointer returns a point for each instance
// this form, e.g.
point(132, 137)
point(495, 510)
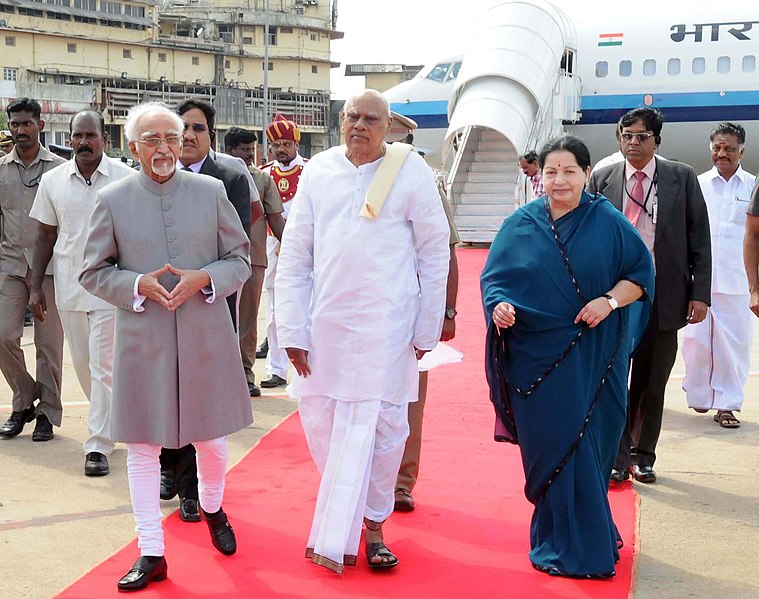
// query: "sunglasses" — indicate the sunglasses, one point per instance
point(197, 127)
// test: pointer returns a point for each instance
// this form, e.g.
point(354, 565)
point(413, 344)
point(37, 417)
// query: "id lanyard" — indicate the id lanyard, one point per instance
point(654, 183)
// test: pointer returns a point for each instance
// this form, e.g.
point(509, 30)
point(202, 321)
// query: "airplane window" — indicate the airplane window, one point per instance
point(602, 68)
point(454, 72)
point(749, 63)
point(673, 66)
point(625, 68)
point(649, 67)
point(438, 73)
point(723, 64)
point(699, 65)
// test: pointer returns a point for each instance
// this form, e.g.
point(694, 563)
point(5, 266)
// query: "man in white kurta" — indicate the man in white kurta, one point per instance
point(717, 350)
point(358, 301)
point(65, 200)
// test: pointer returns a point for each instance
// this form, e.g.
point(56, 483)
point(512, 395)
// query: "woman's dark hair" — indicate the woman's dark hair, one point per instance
point(566, 143)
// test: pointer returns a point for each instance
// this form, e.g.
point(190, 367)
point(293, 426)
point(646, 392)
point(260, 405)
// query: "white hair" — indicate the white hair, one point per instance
point(137, 112)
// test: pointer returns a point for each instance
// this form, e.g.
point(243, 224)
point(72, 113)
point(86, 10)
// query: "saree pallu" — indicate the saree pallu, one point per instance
point(559, 389)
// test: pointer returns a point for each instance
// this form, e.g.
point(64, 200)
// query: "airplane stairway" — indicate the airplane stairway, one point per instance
point(515, 89)
point(483, 195)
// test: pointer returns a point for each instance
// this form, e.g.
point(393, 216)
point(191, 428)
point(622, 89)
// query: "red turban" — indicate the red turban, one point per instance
point(281, 128)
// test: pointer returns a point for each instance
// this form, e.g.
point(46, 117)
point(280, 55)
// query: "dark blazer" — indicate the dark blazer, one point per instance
point(236, 186)
point(682, 245)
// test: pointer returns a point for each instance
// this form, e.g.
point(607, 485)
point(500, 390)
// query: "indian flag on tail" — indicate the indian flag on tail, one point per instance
point(610, 39)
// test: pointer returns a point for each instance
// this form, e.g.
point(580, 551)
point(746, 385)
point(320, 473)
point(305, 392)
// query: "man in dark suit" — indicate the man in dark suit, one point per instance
point(663, 200)
point(178, 468)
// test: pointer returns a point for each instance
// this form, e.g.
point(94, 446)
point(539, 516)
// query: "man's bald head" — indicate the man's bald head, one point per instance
point(366, 122)
point(368, 94)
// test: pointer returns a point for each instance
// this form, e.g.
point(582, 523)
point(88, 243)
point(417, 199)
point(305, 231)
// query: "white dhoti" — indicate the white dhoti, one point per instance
point(717, 354)
point(357, 447)
point(277, 361)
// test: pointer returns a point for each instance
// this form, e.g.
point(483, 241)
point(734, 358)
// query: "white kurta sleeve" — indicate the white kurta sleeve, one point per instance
point(431, 238)
point(293, 284)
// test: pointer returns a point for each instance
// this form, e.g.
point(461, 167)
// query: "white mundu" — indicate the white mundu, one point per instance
point(65, 200)
point(717, 350)
point(359, 295)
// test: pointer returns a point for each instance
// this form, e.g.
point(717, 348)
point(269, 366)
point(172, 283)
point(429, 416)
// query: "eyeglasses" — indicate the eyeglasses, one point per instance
point(641, 137)
point(197, 127)
point(155, 142)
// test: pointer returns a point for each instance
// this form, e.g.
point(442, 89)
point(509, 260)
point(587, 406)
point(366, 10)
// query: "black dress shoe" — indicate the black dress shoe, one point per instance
point(222, 533)
point(168, 490)
point(253, 390)
point(15, 424)
point(262, 350)
point(273, 381)
point(96, 464)
point(644, 474)
point(145, 570)
point(43, 430)
point(188, 510)
point(619, 476)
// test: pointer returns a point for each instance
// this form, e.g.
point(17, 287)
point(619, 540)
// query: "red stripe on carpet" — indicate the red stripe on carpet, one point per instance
point(467, 538)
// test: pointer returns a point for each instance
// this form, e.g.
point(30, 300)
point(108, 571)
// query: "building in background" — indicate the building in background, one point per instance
point(110, 55)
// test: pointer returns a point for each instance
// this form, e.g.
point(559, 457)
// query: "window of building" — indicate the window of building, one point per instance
point(272, 36)
point(314, 68)
point(698, 65)
point(649, 67)
point(749, 63)
point(673, 66)
point(314, 37)
point(162, 57)
point(134, 11)
point(10, 40)
point(196, 61)
point(109, 23)
point(86, 4)
point(111, 8)
point(271, 66)
point(7, 8)
point(247, 41)
point(134, 26)
point(126, 53)
point(227, 64)
point(71, 48)
point(60, 2)
point(58, 16)
point(29, 12)
point(10, 74)
point(723, 64)
point(602, 68)
point(625, 68)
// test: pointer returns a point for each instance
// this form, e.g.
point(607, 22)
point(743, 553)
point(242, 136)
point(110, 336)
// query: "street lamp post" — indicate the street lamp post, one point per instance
point(266, 81)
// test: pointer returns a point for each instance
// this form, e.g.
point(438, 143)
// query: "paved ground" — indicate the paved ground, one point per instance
point(697, 523)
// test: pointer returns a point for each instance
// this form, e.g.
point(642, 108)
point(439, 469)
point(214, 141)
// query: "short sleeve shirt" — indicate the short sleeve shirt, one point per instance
point(272, 204)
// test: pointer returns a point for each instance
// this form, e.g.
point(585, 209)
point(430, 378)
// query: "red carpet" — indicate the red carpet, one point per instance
point(467, 538)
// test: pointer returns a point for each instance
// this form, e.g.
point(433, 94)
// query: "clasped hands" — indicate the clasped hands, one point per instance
point(592, 313)
point(190, 282)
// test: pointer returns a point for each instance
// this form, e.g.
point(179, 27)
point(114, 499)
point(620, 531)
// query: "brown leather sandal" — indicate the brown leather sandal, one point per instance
point(378, 549)
point(726, 419)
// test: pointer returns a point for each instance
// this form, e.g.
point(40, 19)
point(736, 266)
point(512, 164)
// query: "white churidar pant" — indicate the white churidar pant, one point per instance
point(144, 473)
point(717, 354)
point(357, 447)
point(90, 338)
point(276, 360)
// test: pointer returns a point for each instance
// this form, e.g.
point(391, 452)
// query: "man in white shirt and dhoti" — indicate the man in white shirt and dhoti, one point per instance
point(360, 297)
point(717, 350)
point(165, 247)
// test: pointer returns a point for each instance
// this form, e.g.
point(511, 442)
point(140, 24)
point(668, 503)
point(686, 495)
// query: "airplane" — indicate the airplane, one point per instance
point(532, 72)
point(697, 72)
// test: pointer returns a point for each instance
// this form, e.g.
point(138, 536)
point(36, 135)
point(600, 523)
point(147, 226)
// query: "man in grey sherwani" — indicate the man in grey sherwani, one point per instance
point(166, 247)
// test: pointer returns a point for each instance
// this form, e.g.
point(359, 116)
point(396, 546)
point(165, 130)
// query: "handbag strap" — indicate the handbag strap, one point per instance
point(383, 181)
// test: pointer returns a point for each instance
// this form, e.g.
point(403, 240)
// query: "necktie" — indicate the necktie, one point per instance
point(186, 168)
point(636, 199)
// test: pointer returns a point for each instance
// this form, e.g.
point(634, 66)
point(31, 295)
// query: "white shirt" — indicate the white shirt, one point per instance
point(727, 202)
point(64, 200)
point(360, 294)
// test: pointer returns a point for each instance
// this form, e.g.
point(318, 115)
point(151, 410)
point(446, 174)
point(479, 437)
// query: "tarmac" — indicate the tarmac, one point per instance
point(697, 522)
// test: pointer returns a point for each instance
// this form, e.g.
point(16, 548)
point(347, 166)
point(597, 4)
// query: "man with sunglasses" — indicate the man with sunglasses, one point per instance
point(179, 474)
point(20, 173)
point(285, 169)
point(663, 201)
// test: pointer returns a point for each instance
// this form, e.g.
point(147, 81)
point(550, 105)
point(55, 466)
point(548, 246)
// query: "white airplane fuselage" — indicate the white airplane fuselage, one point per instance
point(698, 66)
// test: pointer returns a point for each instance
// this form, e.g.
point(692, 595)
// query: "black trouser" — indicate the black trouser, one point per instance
point(650, 372)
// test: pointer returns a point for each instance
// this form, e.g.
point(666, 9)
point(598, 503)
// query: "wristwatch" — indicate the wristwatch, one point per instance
point(612, 302)
point(450, 313)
